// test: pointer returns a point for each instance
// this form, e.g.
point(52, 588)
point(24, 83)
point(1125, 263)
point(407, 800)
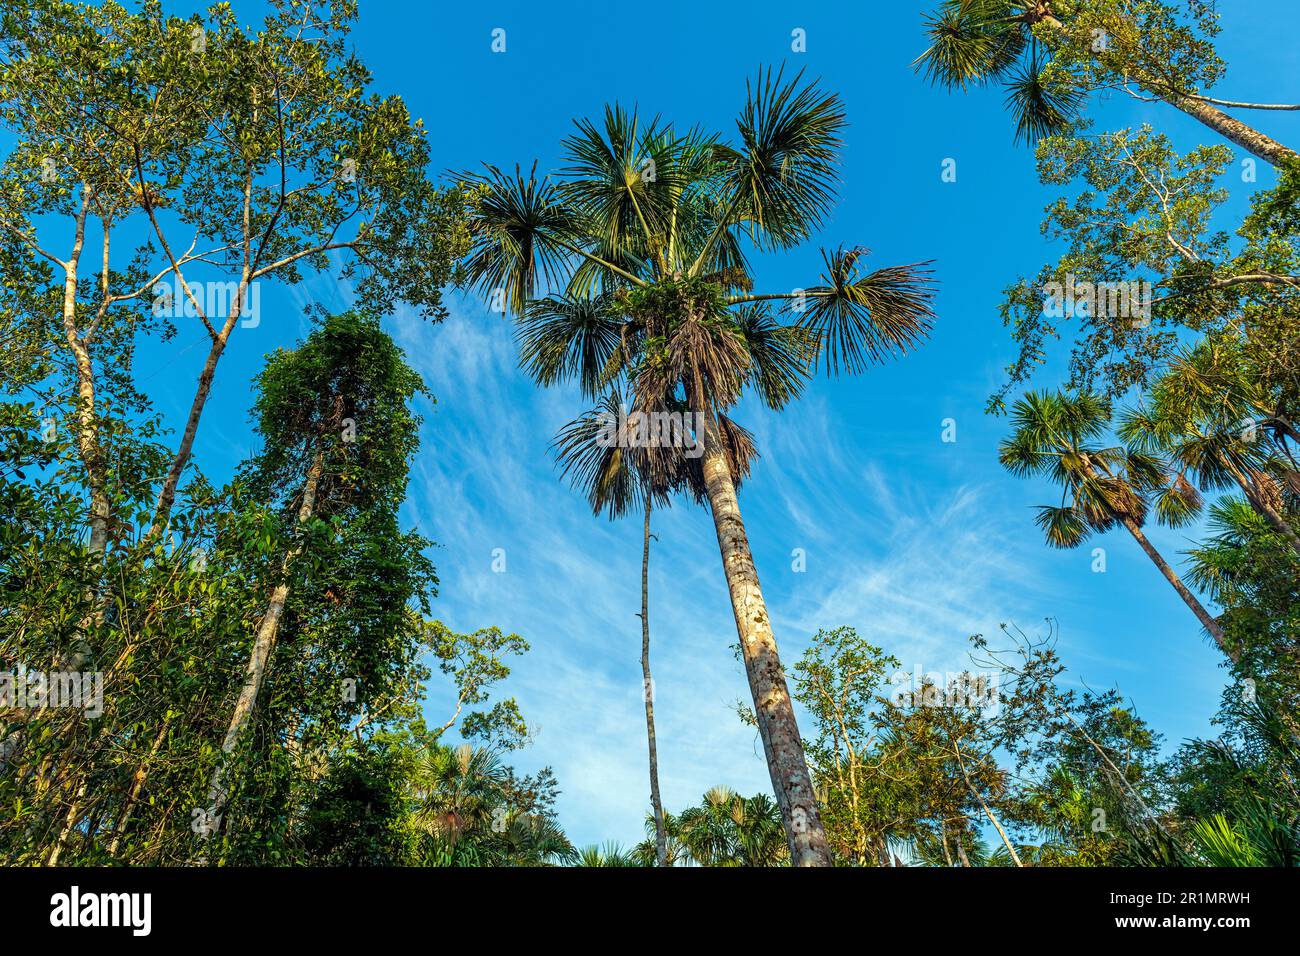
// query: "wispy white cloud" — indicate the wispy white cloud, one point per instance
point(915, 572)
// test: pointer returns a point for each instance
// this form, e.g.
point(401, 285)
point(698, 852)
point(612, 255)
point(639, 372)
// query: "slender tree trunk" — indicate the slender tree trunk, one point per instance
point(1188, 597)
point(772, 705)
point(87, 427)
point(943, 838)
point(661, 836)
point(69, 824)
point(960, 843)
point(263, 644)
point(90, 453)
point(1233, 130)
point(137, 785)
point(1230, 128)
point(988, 811)
point(167, 494)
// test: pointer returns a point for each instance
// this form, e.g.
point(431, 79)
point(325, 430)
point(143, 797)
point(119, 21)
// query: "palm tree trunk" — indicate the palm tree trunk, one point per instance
point(773, 708)
point(661, 837)
point(961, 851)
point(263, 644)
point(1188, 597)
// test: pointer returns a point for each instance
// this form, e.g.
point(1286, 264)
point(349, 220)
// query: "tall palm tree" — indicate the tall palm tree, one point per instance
point(1054, 435)
point(648, 229)
point(614, 479)
point(1012, 42)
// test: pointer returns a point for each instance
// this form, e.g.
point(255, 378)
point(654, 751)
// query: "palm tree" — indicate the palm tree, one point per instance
point(614, 479)
point(977, 42)
point(675, 850)
point(610, 854)
point(1202, 432)
point(727, 829)
point(1054, 435)
point(648, 229)
point(456, 790)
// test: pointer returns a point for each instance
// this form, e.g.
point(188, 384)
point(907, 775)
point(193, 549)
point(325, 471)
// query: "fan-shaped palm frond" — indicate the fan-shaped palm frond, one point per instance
point(971, 42)
point(595, 453)
point(781, 181)
point(975, 42)
point(780, 355)
point(863, 319)
point(519, 232)
point(1062, 526)
point(1040, 105)
point(570, 339)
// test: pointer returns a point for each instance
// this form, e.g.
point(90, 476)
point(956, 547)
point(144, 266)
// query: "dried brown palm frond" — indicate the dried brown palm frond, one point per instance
point(739, 448)
point(1267, 488)
point(703, 353)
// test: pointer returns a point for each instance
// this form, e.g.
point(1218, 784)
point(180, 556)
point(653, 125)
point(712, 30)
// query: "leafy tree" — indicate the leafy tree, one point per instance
point(475, 662)
point(837, 680)
point(226, 158)
point(1143, 266)
point(245, 155)
point(338, 437)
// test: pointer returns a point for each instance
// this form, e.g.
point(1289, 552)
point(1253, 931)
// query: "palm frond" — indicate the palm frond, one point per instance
point(782, 181)
point(780, 356)
point(1042, 106)
point(970, 42)
point(518, 231)
point(1063, 527)
point(864, 319)
point(562, 338)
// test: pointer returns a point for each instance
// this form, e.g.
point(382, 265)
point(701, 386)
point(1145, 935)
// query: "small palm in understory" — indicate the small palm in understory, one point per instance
point(456, 790)
point(1253, 829)
point(648, 232)
point(610, 854)
point(1056, 436)
point(726, 829)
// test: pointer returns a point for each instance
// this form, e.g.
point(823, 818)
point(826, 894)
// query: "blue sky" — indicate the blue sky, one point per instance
point(915, 542)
